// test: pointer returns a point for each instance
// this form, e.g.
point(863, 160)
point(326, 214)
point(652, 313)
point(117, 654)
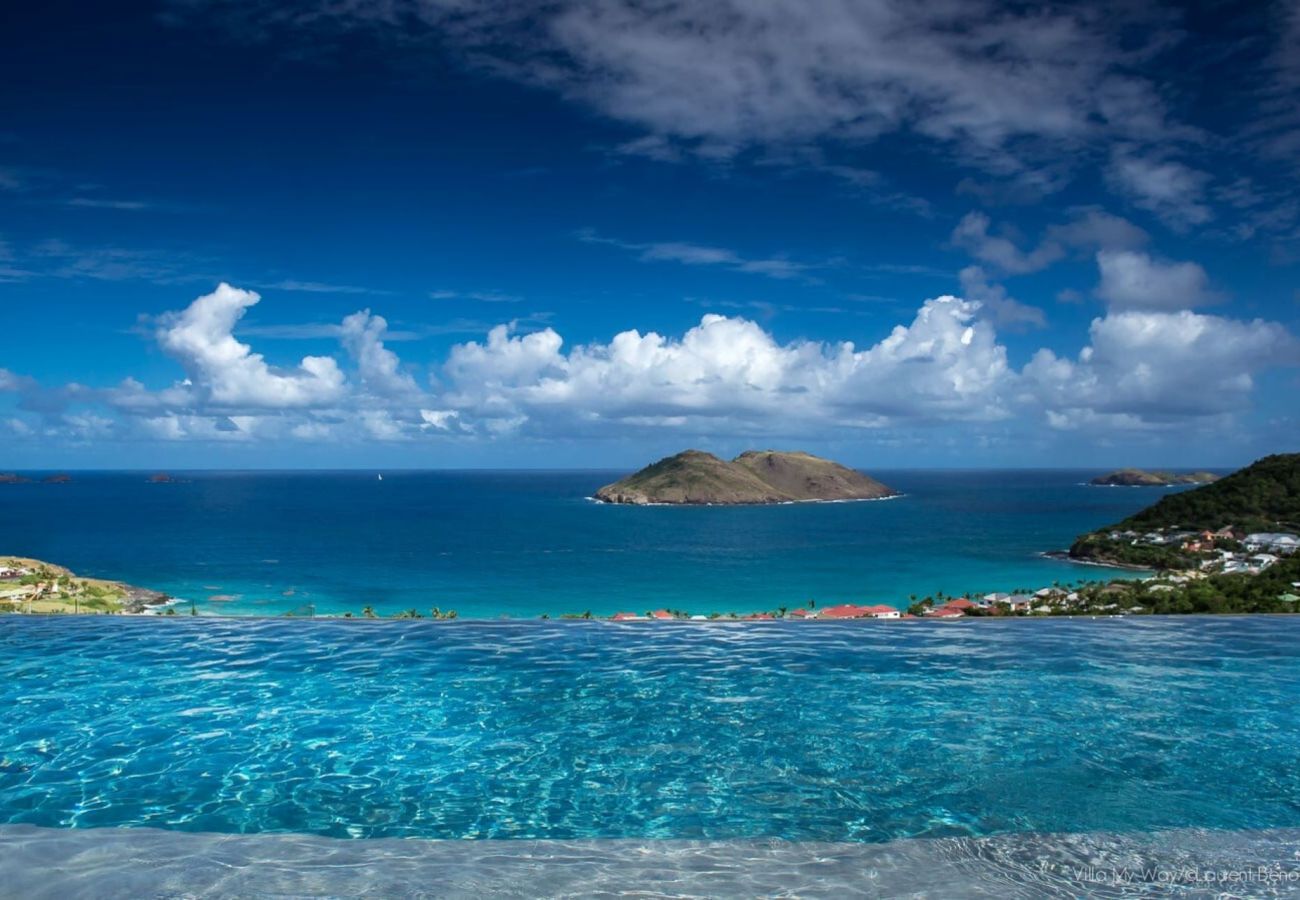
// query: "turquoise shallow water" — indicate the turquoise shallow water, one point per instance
point(527, 543)
point(828, 732)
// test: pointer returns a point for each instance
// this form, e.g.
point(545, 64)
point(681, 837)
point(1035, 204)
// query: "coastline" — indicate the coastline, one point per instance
point(38, 587)
point(1064, 556)
point(1083, 601)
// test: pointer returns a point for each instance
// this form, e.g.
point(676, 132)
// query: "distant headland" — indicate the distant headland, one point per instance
point(694, 477)
point(1142, 478)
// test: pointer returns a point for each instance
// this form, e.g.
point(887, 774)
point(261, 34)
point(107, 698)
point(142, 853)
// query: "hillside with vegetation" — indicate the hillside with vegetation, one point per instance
point(1263, 497)
point(34, 586)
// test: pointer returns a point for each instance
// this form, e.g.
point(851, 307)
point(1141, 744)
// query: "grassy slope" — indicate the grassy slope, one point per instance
point(802, 476)
point(695, 476)
point(75, 594)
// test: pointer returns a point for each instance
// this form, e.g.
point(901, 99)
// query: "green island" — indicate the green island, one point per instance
point(696, 478)
point(1143, 478)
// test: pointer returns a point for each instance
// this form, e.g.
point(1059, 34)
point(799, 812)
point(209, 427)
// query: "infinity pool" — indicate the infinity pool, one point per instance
point(861, 732)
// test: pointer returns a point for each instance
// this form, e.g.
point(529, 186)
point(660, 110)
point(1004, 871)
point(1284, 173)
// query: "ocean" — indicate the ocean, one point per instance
point(524, 544)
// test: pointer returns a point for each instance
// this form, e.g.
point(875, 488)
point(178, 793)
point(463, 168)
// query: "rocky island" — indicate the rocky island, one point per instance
point(694, 477)
point(1142, 478)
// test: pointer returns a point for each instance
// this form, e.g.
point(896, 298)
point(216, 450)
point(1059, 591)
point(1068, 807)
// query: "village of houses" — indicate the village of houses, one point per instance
point(1045, 601)
point(28, 585)
point(1222, 552)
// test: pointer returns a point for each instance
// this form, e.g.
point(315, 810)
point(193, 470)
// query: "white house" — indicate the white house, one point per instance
point(1279, 542)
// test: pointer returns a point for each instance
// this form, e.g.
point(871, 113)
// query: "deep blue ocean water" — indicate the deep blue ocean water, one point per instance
point(523, 544)
point(527, 543)
point(829, 732)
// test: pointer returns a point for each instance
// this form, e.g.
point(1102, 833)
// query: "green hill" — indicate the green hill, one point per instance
point(1264, 496)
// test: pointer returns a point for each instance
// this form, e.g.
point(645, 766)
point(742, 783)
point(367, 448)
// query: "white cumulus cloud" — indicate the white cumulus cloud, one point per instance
point(944, 364)
point(227, 372)
point(1144, 367)
point(1131, 280)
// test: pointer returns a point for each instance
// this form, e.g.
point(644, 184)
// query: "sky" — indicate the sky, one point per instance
point(447, 233)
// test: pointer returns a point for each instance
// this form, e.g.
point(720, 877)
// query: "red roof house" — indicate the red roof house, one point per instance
point(881, 611)
point(945, 612)
point(661, 614)
point(960, 603)
point(625, 617)
point(845, 611)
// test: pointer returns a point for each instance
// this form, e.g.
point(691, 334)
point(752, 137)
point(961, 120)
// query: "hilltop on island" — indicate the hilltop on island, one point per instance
point(694, 477)
point(1213, 528)
point(1142, 478)
point(1136, 477)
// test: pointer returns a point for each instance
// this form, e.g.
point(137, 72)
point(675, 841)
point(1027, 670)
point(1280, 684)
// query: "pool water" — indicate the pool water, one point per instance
point(858, 732)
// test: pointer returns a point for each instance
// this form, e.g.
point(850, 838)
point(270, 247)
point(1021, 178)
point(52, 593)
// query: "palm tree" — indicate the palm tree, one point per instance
point(368, 612)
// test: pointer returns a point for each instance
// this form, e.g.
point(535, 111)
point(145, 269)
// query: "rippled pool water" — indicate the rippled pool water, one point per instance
point(851, 731)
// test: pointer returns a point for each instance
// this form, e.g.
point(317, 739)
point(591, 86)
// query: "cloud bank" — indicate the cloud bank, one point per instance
point(1146, 366)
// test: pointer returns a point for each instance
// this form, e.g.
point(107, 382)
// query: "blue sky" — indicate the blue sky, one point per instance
point(573, 234)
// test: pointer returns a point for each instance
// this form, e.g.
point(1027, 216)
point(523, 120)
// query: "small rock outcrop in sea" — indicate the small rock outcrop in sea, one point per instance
point(11, 478)
point(60, 478)
point(1142, 478)
point(161, 478)
point(755, 477)
point(138, 600)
